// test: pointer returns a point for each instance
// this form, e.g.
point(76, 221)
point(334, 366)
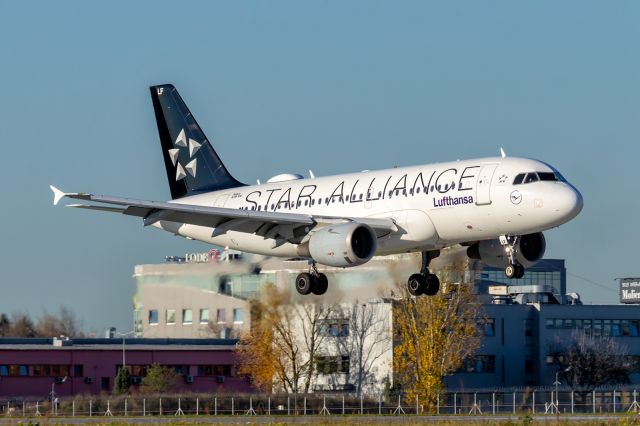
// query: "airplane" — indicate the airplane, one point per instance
point(497, 207)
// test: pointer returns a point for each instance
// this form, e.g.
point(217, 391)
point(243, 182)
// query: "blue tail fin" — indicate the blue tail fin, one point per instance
point(192, 165)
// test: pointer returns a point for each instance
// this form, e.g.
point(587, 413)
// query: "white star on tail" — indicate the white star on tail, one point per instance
point(193, 147)
point(192, 166)
point(180, 174)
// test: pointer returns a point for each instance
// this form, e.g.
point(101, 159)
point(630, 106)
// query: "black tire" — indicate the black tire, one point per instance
point(320, 285)
point(304, 283)
point(510, 271)
point(432, 286)
point(519, 271)
point(416, 284)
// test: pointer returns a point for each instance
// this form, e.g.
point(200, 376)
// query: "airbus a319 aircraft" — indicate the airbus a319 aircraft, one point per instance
point(498, 207)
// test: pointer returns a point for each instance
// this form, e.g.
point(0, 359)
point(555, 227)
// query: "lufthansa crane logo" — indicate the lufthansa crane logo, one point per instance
point(516, 197)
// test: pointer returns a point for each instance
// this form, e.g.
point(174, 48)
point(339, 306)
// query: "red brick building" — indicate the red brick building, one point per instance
point(29, 367)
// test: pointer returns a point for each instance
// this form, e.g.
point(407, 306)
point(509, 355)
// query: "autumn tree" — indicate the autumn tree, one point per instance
point(435, 334)
point(22, 326)
point(585, 362)
point(279, 353)
point(64, 323)
point(5, 325)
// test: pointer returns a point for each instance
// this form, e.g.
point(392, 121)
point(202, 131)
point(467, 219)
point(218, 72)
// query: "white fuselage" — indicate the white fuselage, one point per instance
point(433, 206)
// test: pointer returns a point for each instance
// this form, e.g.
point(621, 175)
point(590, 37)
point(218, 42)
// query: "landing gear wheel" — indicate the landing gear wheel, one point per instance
point(304, 283)
point(519, 271)
point(320, 285)
point(416, 284)
point(432, 285)
point(514, 270)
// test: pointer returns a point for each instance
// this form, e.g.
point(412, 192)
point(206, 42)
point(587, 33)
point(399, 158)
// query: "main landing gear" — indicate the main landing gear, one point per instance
point(312, 282)
point(513, 269)
point(425, 282)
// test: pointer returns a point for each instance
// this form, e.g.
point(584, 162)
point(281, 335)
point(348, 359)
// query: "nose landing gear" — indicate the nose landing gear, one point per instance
point(425, 282)
point(514, 269)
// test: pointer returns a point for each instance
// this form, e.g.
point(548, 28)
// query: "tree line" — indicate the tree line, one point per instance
point(21, 324)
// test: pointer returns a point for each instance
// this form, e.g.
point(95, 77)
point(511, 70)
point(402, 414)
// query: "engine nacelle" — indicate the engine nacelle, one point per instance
point(343, 245)
point(529, 249)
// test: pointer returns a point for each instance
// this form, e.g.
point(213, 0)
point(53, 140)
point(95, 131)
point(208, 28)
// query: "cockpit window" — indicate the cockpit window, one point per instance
point(548, 176)
point(538, 176)
point(518, 180)
point(559, 176)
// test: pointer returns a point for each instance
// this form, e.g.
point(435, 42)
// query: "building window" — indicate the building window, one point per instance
point(238, 315)
point(14, 370)
point(204, 316)
point(528, 332)
point(332, 364)
point(51, 370)
point(479, 364)
point(214, 370)
point(334, 328)
point(488, 327)
point(78, 370)
point(221, 316)
point(187, 316)
point(153, 317)
point(171, 316)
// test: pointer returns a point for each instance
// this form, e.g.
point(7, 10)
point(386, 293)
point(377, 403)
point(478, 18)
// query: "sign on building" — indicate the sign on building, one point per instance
point(629, 290)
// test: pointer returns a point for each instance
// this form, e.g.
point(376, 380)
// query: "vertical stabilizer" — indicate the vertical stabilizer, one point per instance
point(192, 165)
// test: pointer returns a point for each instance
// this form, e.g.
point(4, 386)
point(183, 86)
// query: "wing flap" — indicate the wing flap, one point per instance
point(100, 208)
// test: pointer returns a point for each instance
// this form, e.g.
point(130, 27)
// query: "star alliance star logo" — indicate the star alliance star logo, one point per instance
point(192, 166)
point(503, 179)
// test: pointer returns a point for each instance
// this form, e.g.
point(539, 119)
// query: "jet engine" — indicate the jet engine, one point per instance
point(342, 245)
point(528, 250)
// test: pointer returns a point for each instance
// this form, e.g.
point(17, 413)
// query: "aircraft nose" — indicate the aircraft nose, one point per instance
point(569, 202)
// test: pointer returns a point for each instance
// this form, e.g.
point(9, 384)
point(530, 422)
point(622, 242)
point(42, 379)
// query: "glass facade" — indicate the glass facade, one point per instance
point(597, 327)
point(549, 272)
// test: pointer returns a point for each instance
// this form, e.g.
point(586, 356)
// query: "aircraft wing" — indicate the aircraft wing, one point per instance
point(154, 211)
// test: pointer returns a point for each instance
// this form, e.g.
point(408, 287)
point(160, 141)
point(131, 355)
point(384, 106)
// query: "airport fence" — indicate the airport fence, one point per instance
point(463, 403)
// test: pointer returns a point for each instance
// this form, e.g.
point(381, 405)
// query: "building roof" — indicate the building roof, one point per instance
point(116, 344)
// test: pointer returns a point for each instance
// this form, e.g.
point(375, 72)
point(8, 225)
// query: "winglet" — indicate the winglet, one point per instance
point(502, 153)
point(57, 195)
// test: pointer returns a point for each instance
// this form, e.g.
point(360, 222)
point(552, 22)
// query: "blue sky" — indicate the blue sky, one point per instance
point(287, 86)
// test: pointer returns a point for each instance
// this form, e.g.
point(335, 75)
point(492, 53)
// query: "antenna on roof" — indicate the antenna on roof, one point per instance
point(311, 174)
point(258, 180)
point(502, 153)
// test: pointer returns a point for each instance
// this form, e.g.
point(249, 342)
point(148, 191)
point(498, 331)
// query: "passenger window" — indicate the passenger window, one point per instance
point(547, 176)
point(531, 177)
point(518, 180)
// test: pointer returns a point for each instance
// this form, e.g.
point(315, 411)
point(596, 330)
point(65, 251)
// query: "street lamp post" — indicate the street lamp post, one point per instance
point(54, 409)
point(123, 346)
point(557, 382)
